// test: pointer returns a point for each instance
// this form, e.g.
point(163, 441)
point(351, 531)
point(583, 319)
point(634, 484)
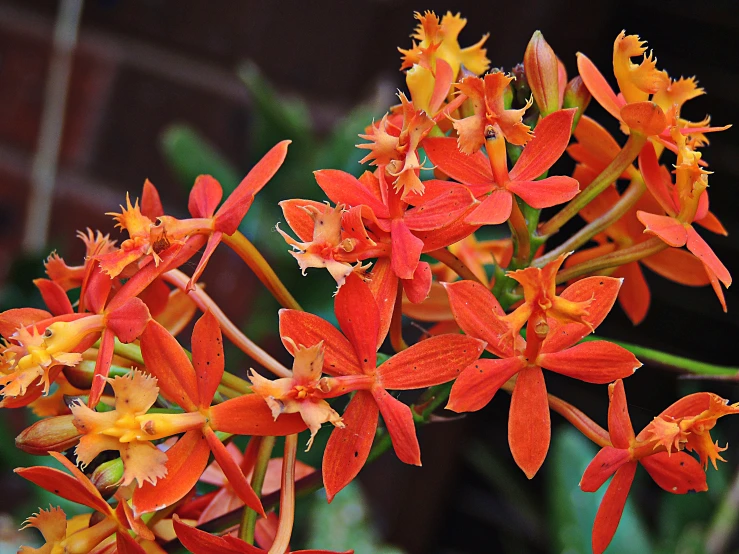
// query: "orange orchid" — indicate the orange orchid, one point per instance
point(555, 325)
point(660, 448)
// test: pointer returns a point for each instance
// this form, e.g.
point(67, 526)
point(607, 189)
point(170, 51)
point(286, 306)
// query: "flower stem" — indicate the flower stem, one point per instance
point(261, 268)
point(628, 199)
point(521, 237)
point(287, 497)
point(612, 172)
point(455, 264)
point(205, 303)
point(249, 516)
point(614, 259)
point(396, 323)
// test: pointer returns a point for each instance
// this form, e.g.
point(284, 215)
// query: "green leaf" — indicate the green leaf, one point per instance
point(573, 511)
point(344, 524)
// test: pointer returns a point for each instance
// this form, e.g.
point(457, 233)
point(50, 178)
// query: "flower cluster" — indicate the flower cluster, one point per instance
point(460, 152)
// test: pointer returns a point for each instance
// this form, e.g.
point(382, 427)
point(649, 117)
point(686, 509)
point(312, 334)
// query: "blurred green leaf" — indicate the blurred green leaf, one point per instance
point(573, 511)
point(344, 524)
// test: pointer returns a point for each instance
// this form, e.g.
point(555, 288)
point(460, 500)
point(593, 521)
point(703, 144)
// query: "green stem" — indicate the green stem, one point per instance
point(261, 268)
point(672, 361)
point(614, 259)
point(455, 264)
point(130, 351)
point(598, 225)
point(249, 516)
point(612, 172)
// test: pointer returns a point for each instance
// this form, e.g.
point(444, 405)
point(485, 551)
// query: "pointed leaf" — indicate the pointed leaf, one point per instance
point(430, 362)
point(529, 425)
point(250, 415)
point(207, 357)
point(347, 449)
point(186, 461)
point(546, 192)
point(204, 197)
point(551, 137)
point(339, 357)
point(479, 382)
point(399, 423)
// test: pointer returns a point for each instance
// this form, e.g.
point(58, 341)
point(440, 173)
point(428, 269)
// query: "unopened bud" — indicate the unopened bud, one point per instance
point(542, 73)
point(577, 96)
point(107, 476)
point(55, 434)
point(80, 376)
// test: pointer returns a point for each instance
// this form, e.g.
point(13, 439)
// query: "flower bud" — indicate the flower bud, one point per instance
point(107, 476)
point(54, 433)
point(80, 376)
point(577, 96)
point(542, 73)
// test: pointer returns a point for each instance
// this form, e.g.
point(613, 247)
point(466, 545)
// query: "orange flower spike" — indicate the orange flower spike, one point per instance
point(440, 40)
point(303, 392)
point(552, 344)
point(490, 115)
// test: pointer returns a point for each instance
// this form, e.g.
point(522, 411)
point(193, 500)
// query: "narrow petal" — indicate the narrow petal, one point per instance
point(233, 210)
point(151, 205)
point(479, 382)
point(711, 222)
point(399, 422)
point(655, 180)
point(601, 292)
point(359, 318)
point(611, 507)
point(54, 297)
point(343, 188)
point(347, 449)
point(619, 422)
point(479, 315)
point(200, 542)
point(186, 461)
point(126, 544)
point(678, 473)
point(384, 286)
point(339, 357)
point(204, 197)
point(634, 296)
point(679, 266)
point(102, 367)
point(166, 360)
point(470, 170)
point(606, 462)
point(670, 230)
point(440, 211)
point(546, 192)
point(529, 426)
point(250, 415)
point(704, 253)
point(233, 473)
point(63, 485)
point(430, 362)
point(549, 143)
point(495, 209)
point(597, 362)
point(207, 357)
point(417, 289)
point(598, 86)
point(407, 248)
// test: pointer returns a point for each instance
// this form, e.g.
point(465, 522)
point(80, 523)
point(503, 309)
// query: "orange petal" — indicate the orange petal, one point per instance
point(634, 296)
point(646, 118)
point(399, 423)
point(667, 228)
point(611, 507)
point(619, 422)
point(207, 356)
point(529, 426)
point(597, 362)
point(493, 210)
point(359, 319)
point(678, 473)
point(606, 462)
point(598, 86)
point(250, 415)
point(204, 197)
point(479, 382)
point(704, 253)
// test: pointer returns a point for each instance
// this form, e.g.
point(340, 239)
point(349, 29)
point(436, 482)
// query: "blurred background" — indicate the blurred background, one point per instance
point(168, 90)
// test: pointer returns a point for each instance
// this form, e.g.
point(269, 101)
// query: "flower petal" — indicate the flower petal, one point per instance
point(606, 462)
point(200, 542)
point(546, 192)
point(597, 362)
point(359, 319)
point(611, 507)
point(384, 286)
point(679, 266)
point(634, 296)
point(678, 473)
point(655, 180)
point(495, 209)
point(430, 362)
point(619, 422)
point(549, 143)
point(479, 382)
point(347, 449)
point(704, 253)
point(598, 86)
point(670, 230)
point(204, 197)
point(417, 289)
point(399, 423)
point(250, 415)
point(207, 357)
point(343, 188)
point(440, 211)
point(406, 251)
point(470, 170)
point(54, 296)
point(529, 425)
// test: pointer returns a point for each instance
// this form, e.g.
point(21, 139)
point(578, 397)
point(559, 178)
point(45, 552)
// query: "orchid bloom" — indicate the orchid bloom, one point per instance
point(488, 176)
point(350, 358)
point(555, 325)
point(660, 448)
